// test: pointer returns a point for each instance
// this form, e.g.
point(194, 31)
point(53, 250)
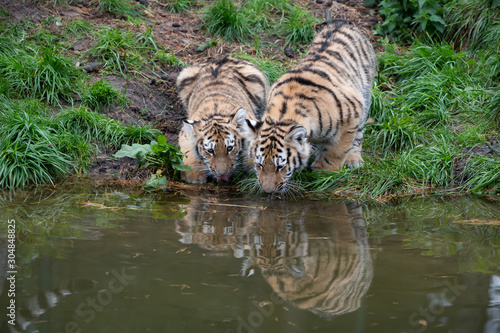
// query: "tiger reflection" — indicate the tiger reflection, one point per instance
point(218, 228)
point(316, 257)
point(35, 306)
point(324, 266)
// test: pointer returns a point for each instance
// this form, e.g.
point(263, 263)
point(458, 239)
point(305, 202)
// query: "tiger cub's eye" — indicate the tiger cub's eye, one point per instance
point(229, 149)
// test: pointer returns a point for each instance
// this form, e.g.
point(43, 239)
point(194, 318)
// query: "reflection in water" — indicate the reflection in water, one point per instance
point(32, 308)
point(323, 266)
point(493, 312)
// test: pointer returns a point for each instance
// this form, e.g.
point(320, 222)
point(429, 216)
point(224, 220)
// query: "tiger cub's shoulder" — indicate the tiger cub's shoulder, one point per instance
point(236, 80)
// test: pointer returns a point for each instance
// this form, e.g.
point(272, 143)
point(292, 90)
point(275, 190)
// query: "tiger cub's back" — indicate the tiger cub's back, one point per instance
point(321, 105)
point(219, 98)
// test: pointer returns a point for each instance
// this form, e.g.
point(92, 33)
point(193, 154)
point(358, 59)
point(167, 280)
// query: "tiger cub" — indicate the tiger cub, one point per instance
point(220, 98)
point(319, 107)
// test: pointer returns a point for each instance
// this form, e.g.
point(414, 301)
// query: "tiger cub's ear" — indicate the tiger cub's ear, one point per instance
point(186, 82)
point(189, 126)
point(254, 125)
point(297, 134)
point(239, 118)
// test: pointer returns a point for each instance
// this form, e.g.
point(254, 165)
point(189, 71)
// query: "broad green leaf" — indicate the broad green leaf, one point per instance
point(435, 18)
point(134, 151)
point(156, 181)
point(162, 140)
point(181, 167)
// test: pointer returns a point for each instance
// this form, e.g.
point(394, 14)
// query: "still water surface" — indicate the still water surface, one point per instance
point(112, 261)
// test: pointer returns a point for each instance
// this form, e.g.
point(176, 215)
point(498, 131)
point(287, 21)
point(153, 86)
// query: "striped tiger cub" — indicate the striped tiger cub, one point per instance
point(220, 98)
point(318, 108)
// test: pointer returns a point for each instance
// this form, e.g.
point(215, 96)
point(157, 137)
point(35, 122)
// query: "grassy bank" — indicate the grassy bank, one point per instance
point(435, 104)
point(436, 112)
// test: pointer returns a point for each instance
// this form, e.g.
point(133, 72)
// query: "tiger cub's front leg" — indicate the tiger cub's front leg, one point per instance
point(333, 157)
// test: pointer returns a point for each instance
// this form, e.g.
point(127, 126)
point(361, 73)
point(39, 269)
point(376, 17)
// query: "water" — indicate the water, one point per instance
point(211, 261)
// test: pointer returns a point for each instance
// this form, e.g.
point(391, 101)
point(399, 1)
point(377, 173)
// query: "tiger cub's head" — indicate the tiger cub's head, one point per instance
point(221, 142)
point(279, 149)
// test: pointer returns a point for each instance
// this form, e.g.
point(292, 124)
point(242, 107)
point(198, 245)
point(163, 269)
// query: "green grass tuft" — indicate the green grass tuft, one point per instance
point(101, 95)
point(179, 6)
point(44, 74)
point(30, 147)
point(120, 7)
point(123, 51)
point(223, 19)
point(79, 27)
point(298, 26)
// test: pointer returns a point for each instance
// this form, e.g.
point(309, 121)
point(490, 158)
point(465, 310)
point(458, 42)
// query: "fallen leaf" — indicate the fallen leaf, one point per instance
point(183, 286)
point(184, 249)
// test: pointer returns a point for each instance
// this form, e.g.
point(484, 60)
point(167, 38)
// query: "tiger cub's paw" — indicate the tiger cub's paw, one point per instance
point(193, 177)
point(354, 161)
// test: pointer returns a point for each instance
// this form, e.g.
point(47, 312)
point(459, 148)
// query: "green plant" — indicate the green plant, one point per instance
point(396, 133)
point(473, 24)
point(117, 50)
point(90, 125)
point(168, 59)
point(95, 127)
point(120, 7)
point(4, 12)
point(45, 74)
point(123, 50)
point(297, 27)
point(138, 133)
point(30, 147)
point(483, 174)
point(179, 6)
point(266, 15)
point(208, 44)
point(101, 94)
point(224, 19)
point(161, 155)
point(401, 18)
point(78, 27)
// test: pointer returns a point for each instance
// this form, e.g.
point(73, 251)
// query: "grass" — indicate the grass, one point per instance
point(95, 127)
point(39, 73)
point(101, 95)
point(117, 50)
point(179, 6)
point(168, 59)
point(37, 148)
point(79, 27)
point(473, 24)
point(251, 19)
point(29, 146)
point(298, 26)
point(483, 174)
point(125, 8)
point(124, 51)
point(223, 19)
point(433, 101)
